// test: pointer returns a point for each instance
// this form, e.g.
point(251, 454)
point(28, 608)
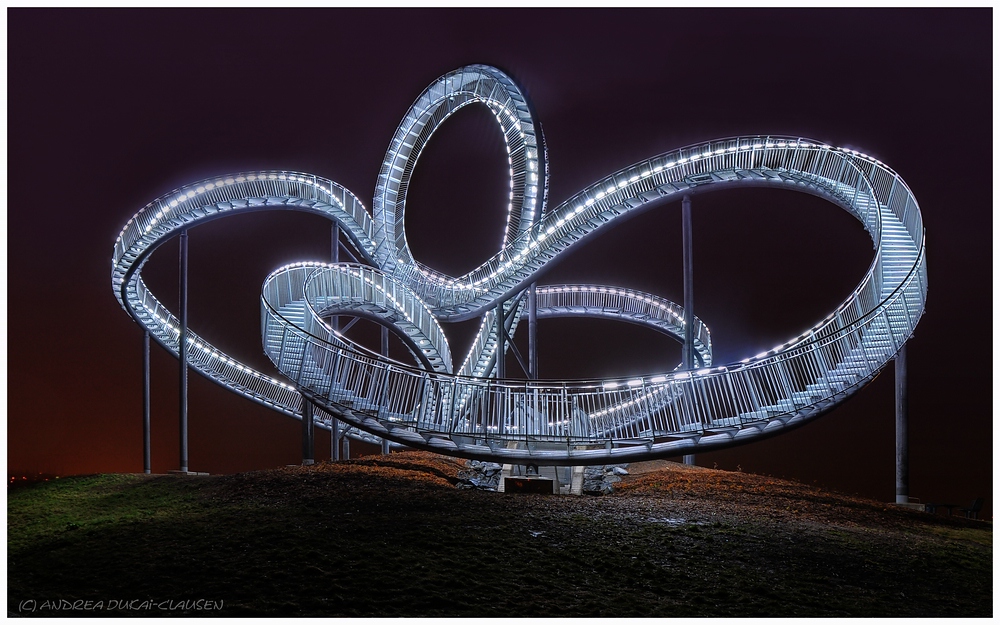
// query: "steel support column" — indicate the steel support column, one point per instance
point(334, 439)
point(385, 353)
point(688, 349)
point(335, 324)
point(687, 355)
point(308, 432)
point(146, 465)
point(183, 351)
point(902, 443)
point(532, 302)
point(532, 333)
point(335, 258)
point(501, 369)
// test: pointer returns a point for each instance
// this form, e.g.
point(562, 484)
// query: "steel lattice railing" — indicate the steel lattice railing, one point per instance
point(551, 422)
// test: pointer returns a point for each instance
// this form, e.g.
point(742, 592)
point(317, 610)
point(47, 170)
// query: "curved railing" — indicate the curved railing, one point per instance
point(360, 291)
point(553, 422)
point(445, 96)
point(609, 302)
point(766, 161)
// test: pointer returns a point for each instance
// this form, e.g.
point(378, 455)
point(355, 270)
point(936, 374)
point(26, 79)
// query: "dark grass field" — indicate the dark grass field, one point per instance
point(394, 537)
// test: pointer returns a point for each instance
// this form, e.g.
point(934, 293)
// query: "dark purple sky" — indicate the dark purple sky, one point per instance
point(110, 109)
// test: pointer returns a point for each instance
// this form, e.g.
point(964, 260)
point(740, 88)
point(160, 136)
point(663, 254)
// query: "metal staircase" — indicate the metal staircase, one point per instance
point(472, 413)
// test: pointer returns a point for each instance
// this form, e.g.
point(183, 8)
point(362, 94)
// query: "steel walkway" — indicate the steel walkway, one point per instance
point(464, 410)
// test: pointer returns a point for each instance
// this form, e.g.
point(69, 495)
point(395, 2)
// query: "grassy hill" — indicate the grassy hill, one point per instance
point(392, 536)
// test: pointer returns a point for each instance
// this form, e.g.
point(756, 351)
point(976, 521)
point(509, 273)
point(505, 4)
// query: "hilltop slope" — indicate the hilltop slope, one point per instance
point(394, 537)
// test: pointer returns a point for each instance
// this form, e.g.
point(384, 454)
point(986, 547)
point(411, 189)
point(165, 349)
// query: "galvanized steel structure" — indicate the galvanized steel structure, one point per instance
point(469, 410)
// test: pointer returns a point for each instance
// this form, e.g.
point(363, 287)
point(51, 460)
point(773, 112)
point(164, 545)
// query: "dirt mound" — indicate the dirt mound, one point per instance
point(765, 496)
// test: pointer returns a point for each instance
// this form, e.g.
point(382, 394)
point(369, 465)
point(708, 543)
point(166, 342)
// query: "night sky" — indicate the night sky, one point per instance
point(108, 109)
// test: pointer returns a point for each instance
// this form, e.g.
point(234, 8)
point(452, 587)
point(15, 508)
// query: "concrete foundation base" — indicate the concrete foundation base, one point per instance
point(524, 484)
point(566, 480)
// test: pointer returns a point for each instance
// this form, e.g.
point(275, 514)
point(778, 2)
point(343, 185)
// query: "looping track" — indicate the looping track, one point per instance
point(465, 410)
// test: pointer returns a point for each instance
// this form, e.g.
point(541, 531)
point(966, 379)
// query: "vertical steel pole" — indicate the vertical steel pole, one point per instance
point(335, 242)
point(334, 439)
point(183, 351)
point(902, 446)
point(146, 466)
point(501, 368)
point(308, 431)
point(335, 324)
point(347, 448)
point(335, 258)
point(687, 354)
point(532, 333)
point(385, 353)
point(688, 350)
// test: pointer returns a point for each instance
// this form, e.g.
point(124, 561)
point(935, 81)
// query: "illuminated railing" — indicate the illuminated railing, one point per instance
point(718, 404)
point(557, 422)
point(838, 175)
point(588, 300)
point(474, 83)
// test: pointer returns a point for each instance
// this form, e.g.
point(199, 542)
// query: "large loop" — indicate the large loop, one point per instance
point(456, 89)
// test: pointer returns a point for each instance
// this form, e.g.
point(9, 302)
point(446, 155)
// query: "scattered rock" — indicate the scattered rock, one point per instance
point(600, 480)
point(597, 480)
point(481, 475)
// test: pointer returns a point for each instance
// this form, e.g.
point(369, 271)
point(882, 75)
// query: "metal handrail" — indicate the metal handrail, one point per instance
point(591, 300)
